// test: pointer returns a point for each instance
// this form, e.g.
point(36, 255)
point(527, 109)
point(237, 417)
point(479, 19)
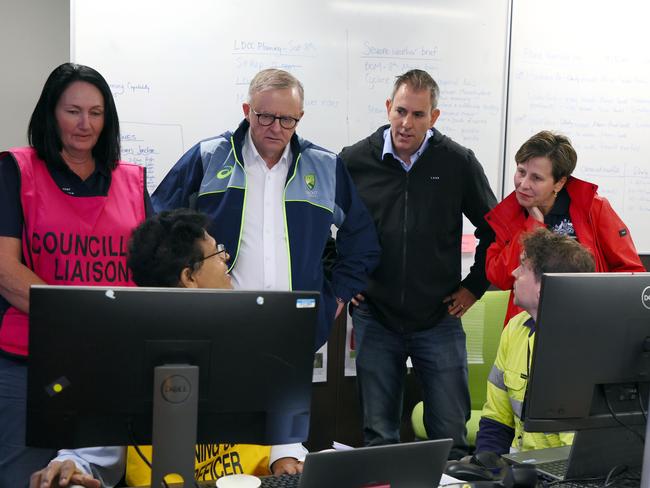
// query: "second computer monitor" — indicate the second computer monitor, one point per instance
point(591, 365)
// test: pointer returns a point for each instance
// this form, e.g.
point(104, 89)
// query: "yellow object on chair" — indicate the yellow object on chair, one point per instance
point(483, 324)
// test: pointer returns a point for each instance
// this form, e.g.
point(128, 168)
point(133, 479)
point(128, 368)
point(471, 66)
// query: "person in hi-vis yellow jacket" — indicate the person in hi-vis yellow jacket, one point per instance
point(501, 427)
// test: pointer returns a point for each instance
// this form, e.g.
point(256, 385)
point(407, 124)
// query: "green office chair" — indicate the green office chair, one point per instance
point(483, 324)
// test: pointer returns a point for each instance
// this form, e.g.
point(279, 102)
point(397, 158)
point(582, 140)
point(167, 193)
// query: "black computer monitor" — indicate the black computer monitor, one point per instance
point(93, 352)
point(591, 367)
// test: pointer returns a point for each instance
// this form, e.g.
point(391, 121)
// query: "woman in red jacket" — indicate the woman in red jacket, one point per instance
point(546, 195)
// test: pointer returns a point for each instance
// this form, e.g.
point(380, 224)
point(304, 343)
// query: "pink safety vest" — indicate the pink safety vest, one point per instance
point(71, 240)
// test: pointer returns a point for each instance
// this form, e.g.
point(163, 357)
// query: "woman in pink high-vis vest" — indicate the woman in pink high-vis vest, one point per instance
point(68, 207)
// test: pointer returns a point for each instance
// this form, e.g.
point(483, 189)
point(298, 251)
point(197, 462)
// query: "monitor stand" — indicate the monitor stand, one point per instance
point(175, 406)
point(645, 473)
point(595, 452)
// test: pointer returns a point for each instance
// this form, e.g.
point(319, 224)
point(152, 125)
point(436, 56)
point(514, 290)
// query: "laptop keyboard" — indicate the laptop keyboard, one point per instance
point(282, 481)
point(630, 478)
point(617, 483)
point(555, 468)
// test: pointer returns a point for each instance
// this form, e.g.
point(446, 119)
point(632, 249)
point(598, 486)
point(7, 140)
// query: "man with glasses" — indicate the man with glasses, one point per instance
point(274, 196)
point(171, 249)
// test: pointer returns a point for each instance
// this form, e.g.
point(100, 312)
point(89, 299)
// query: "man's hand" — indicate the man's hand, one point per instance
point(459, 302)
point(61, 474)
point(286, 465)
point(356, 300)
point(339, 308)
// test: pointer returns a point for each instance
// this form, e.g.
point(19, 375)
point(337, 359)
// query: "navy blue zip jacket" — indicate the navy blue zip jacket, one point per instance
point(318, 193)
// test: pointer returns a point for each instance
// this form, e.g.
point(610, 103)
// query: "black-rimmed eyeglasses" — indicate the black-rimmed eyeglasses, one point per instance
point(286, 122)
point(220, 249)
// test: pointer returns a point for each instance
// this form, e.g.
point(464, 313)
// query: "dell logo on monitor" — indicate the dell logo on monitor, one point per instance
point(176, 389)
point(645, 297)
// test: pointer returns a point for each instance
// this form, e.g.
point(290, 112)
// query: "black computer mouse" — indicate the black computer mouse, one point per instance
point(521, 476)
point(467, 471)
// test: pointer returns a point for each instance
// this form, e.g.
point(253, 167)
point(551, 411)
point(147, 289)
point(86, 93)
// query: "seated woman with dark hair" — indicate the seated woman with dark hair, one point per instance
point(171, 249)
point(174, 249)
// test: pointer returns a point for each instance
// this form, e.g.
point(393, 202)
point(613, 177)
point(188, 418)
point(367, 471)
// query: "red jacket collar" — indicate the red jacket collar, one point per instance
point(508, 215)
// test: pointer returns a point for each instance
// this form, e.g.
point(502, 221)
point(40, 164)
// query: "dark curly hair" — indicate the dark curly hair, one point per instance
point(43, 132)
point(163, 245)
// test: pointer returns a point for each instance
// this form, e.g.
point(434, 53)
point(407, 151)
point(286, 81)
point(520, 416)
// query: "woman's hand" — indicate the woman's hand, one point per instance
point(15, 277)
point(536, 213)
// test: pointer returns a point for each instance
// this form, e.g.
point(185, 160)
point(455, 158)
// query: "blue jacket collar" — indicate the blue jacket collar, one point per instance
point(298, 144)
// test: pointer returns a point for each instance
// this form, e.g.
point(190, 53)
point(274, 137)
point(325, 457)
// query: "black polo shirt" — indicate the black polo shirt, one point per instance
point(558, 219)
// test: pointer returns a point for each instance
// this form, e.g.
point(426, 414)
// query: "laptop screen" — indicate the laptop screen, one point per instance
point(406, 465)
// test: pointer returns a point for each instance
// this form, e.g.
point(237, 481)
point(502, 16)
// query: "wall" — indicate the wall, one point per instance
point(34, 39)
point(589, 79)
point(181, 74)
point(583, 68)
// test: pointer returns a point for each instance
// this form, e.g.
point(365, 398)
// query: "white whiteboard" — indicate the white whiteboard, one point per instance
point(180, 70)
point(582, 67)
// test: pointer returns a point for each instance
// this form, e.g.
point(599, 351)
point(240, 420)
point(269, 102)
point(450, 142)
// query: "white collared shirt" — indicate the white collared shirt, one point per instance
point(388, 149)
point(263, 257)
